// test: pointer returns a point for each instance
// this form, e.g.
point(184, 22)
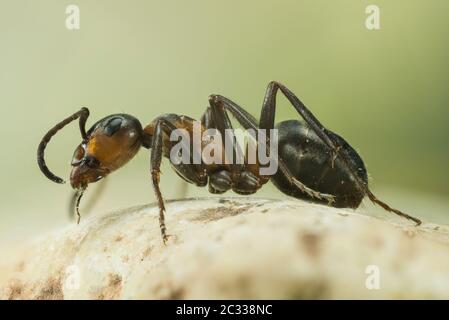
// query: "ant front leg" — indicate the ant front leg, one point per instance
point(155, 167)
point(192, 173)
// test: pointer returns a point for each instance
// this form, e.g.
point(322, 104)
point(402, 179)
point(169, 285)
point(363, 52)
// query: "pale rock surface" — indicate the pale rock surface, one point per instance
point(233, 248)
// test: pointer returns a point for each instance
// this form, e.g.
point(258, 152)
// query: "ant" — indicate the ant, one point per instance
point(313, 162)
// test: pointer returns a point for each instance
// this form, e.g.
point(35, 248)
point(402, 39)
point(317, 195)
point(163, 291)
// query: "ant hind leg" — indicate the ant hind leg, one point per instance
point(269, 108)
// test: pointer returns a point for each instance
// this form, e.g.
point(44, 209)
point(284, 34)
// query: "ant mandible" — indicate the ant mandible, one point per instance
point(315, 164)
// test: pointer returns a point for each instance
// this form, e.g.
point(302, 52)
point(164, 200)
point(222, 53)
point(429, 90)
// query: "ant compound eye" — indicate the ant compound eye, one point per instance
point(78, 155)
point(91, 162)
point(113, 126)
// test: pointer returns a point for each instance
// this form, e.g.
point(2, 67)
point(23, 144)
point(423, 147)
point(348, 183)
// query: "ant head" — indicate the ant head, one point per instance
point(107, 146)
point(111, 143)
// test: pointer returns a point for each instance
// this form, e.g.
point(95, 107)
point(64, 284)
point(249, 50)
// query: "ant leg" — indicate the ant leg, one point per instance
point(243, 179)
point(155, 164)
point(267, 119)
point(239, 176)
point(245, 119)
point(269, 109)
point(82, 114)
point(222, 123)
point(207, 120)
point(220, 178)
point(166, 125)
point(248, 121)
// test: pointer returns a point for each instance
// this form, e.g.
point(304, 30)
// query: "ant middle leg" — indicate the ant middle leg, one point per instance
point(244, 180)
point(220, 179)
point(248, 121)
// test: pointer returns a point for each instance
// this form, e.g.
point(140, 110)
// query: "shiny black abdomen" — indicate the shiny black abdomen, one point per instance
point(310, 161)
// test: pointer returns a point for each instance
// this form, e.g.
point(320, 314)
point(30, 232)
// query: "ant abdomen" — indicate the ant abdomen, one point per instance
point(311, 162)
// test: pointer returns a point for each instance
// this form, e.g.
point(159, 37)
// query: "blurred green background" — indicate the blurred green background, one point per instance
point(385, 91)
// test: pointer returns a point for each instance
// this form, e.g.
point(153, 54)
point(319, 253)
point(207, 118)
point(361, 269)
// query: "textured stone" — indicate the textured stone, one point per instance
point(233, 248)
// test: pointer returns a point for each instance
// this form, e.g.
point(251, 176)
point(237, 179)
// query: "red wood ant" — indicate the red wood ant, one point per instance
point(313, 162)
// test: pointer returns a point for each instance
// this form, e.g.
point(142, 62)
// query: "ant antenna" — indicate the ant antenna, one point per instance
point(82, 115)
